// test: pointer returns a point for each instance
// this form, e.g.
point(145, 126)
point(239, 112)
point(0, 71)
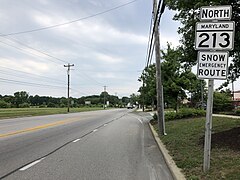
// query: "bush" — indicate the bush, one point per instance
point(51, 104)
point(4, 104)
point(24, 105)
point(183, 113)
point(238, 112)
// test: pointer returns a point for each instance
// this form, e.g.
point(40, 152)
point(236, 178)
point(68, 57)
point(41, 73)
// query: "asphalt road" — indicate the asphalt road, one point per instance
point(101, 145)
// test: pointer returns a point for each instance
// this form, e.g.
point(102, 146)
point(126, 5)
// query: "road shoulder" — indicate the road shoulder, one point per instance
point(176, 172)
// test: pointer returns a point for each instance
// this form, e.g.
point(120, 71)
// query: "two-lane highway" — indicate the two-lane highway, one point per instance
point(110, 144)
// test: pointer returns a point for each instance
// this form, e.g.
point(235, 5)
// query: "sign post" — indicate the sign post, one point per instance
point(214, 37)
point(208, 127)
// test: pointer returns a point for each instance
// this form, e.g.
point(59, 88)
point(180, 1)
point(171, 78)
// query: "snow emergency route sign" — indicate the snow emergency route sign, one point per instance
point(215, 35)
point(212, 65)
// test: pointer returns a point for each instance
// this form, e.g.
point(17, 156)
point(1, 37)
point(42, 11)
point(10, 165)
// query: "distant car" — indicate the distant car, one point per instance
point(130, 106)
point(202, 105)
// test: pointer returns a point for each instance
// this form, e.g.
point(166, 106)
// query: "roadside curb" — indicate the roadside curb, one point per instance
point(176, 172)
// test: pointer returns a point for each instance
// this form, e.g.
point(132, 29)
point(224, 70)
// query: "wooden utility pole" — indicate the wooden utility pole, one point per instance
point(104, 99)
point(160, 105)
point(68, 74)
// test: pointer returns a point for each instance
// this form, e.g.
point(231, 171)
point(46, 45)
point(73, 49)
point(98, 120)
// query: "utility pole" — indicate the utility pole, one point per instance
point(143, 93)
point(104, 99)
point(160, 104)
point(68, 74)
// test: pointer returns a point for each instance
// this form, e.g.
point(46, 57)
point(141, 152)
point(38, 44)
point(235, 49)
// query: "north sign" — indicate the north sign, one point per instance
point(212, 65)
point(215, 35)
point(210, 13)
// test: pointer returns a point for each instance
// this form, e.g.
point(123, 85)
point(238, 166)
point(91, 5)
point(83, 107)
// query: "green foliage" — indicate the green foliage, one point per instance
point(24, 105)
point(4, 104)
point(148, 89)
point(238, 112)
point(51, 104)
point(20, 98)
point(222, 102)
point(182, 114)
point(176, 80)
point(187, 14)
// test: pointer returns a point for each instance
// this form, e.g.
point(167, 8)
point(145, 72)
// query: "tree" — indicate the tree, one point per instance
point(222, 101)
point(20, 98)
point(148, 90)
point(187, 14)
point(176, 77)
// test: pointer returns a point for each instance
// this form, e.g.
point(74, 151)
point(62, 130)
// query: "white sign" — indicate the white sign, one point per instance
point(210, 13)
point(215, 35)
point(212, 65)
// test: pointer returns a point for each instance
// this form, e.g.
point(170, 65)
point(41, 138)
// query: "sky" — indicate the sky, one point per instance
point(107, 49)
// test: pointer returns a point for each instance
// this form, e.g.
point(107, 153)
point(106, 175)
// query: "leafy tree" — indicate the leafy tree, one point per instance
point(20, 98)
point(134, 98)
point(148, 90)
point(177, 78)
point(222, 101)
point(188, 13)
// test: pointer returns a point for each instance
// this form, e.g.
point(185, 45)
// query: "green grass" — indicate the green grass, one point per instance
point(22, 112)
point(185, 140)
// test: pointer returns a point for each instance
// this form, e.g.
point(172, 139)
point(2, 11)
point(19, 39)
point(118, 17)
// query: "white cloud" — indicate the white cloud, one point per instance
point(109, 59)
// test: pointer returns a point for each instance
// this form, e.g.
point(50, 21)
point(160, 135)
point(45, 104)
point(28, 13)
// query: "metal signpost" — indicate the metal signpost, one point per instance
point(214, 36)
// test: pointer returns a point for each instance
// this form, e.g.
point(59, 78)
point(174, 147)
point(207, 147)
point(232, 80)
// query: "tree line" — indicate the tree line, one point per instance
point(22, 99)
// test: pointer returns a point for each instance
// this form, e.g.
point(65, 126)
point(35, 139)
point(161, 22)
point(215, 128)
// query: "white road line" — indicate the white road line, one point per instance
point(138, 119)
point(95, 130)
point(30, 165)
point(76, 140)
point(105, 124)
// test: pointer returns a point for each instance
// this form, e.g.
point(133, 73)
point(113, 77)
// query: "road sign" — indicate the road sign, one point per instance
point(212, 65)
point(210, 13)
point(215, 35)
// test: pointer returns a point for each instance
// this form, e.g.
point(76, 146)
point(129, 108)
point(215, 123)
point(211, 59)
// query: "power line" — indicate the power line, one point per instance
point(28, 74)
point(24, 77)
point(149, 38)
point(69, 22)
point(156, 22)
point(20, 49)
point(25, 51)
point(30, 84)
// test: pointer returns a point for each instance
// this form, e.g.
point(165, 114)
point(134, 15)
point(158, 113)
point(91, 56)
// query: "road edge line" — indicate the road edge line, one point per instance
point(176, 171)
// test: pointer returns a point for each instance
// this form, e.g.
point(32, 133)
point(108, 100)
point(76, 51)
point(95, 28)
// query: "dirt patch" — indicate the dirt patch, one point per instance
point(226, 139)
point(230, 139)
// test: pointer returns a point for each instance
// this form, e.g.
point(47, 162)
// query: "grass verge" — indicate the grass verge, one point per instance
point(185, 142)
point(21, 112)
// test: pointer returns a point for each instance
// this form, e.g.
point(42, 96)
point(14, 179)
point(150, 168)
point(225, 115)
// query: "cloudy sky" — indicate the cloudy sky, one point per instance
point(108, 49)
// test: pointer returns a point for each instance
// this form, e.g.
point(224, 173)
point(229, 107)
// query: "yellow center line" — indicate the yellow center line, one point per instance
point(38, 127)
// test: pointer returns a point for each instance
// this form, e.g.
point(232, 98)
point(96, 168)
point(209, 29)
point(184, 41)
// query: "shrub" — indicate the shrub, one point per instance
point(51, 104)
point(24, 105)
point(183, 113)
point(4, 104)
point(238, 112)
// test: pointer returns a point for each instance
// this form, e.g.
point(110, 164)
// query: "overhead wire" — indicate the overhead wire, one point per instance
point(30, 84)
point(156, 23)
point(69, 22)
point(53, 26)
